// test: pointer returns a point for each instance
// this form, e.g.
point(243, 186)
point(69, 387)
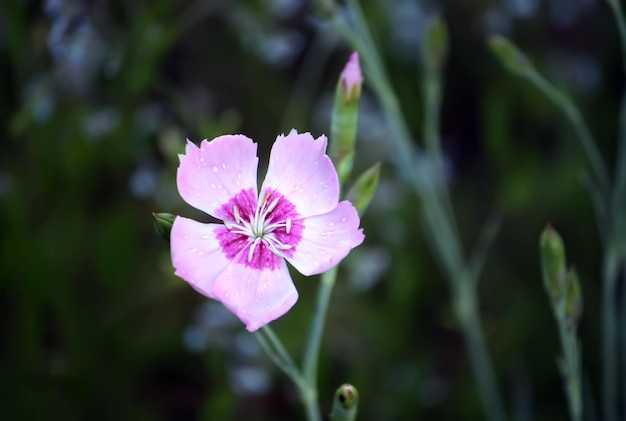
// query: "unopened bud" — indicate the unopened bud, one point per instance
point(163, 224)
point(510, 56)
point(552, 253)
point(351, 78)
point(573, 298)
point(436, 44)
point(345, 403)
point(344, 118)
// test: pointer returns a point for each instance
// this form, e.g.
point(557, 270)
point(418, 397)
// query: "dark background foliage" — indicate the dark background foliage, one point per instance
point(97, 98)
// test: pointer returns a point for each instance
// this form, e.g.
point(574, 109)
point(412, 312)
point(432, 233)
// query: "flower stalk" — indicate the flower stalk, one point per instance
point(563, 289)
point(439, 219)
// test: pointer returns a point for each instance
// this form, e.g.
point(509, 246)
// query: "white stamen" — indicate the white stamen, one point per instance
point(252, 247)
point(272, 205)
point(281, 246)
point(288, 225)
point(236, 214)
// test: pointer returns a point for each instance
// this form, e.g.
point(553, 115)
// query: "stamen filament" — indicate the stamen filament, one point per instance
point(252, 247)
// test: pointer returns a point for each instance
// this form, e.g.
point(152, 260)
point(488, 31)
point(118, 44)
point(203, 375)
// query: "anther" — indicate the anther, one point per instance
point(236, 214)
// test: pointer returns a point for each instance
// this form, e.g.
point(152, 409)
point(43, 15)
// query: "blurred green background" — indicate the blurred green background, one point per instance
point(96, 100)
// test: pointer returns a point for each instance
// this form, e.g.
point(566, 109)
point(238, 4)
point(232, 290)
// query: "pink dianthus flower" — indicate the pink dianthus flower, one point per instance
point(296, 217)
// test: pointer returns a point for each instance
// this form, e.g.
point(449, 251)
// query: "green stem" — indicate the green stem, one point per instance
point(609, 325)
point(570, 365)
point(581, 129)
point(439, 222)
point(482, 369)
point(311, 353)
point(273, 347)
point(432, 109)
point(623, 343)
point(618, 13)
point(276, 352)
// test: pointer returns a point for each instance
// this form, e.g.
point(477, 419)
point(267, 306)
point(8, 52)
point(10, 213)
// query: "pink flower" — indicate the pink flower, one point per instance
point(351, 77)
point(296, 217)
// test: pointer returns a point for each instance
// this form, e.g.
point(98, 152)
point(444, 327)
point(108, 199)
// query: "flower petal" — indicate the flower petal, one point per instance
point(209, 175)
point(256, 296)
point(327, 239)
point(196, 253)
point(302, 172)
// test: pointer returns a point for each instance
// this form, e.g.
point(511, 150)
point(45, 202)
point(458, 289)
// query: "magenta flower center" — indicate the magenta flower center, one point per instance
point(260, 228)
point(266, 230)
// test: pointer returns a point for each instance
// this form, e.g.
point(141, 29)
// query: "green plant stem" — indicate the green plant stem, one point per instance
point(273, 347)
point(276, 352)
point(312, 350)
point(570, 364)
point(618, 13)
point(482, 369)
point(571, 112)
point(445, 241)
point(620, 162)
point(623, 340)
point(432, 108)
point(609, 326)
point(571, 367)
point(619, 192)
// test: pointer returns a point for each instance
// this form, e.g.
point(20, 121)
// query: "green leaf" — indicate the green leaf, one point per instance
point(364, 188)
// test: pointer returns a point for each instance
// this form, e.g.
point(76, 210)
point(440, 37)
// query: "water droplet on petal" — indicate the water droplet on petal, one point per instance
point(215, 169)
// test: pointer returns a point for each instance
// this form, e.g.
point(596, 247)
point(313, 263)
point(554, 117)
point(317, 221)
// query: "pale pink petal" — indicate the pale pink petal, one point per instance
point(196, 253)
point(210, 175)
point(327, 239)
point(256, 296)
point(302, 172)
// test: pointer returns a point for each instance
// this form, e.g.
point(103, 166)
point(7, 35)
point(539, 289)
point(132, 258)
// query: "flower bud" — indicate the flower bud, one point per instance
point(163, 224)
point(436, 45)
point(351, 79)
point(345, 117)
point(552, 253)
point(573, 298)
point(510, 56)
point(345, 403)
point(364, 188)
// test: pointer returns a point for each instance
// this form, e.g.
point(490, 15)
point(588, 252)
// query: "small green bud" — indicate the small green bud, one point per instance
point(364, 188)
point(553, 266)
point(344, 119)
point(345, 403)
point(163, 224)
point(510, 56)
point(573, 298)
point(436, 44)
